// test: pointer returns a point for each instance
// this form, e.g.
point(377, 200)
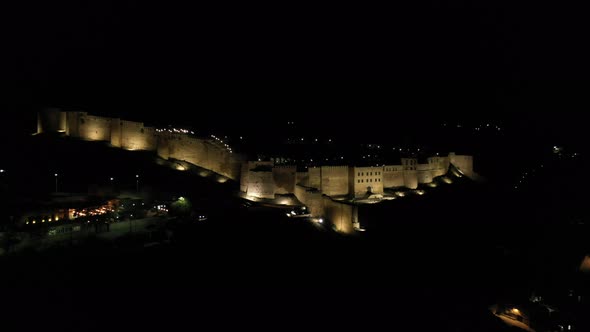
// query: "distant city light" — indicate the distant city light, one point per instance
point(1, 171)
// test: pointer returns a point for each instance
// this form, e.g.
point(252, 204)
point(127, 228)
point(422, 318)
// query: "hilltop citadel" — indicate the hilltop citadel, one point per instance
point(333, 193)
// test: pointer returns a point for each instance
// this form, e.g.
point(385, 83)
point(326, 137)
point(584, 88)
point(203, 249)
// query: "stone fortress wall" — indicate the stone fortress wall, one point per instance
point(130, 135)
point(324, 189)
point(319, 188)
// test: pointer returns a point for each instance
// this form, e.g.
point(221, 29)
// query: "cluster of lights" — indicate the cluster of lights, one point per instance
point(43, 220)
point(479, 128)
point(302, 139)
point(219, 140)
point(524, 176)
point(92, 212)
point(162, 208)
point(175, 130)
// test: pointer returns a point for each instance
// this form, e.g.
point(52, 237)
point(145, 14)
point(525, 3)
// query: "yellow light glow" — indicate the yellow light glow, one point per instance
point(56, 218)
point(447, 180)
point(27, 223)
point(34, 221)
point(516, 311)
point(400, 193)
point(49, 219)
point(43, 220)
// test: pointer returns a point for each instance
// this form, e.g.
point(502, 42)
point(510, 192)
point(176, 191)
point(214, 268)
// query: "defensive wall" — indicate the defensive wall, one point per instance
point(130, 135)
point(316, 188)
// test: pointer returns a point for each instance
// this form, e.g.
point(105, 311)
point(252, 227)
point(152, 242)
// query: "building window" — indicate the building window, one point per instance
point(359, 174)
point(371, 173)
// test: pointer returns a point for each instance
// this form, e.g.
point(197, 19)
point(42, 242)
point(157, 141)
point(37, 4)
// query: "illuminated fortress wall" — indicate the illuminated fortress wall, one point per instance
point(51, 120)
point(424, 172)
point(73, 123)
point(410, 172)
point(463, 163)
point(315, 177)
point(132, 135)
point(204, 153)
point(245, 172)
point(366, 179)
point(261, 184)
point(312, 198)
point(94, 128)
point(342, 216)
point(285, 178)
point(302, 178)
point(393, 176)
point(135, 136)
point(334, 180)
point(116, 133)
point(439, 165)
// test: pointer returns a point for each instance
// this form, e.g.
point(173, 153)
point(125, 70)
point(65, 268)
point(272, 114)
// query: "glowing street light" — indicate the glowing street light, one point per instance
point(55, 182)
point(137, 182)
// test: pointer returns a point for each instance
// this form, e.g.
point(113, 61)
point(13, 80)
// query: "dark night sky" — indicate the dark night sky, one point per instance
point(496, 60)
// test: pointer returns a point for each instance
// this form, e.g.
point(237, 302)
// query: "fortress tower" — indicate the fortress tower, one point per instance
point(51, 120)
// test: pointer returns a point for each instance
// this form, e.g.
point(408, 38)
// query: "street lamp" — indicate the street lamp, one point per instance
point(137, 182)
point(55, 182)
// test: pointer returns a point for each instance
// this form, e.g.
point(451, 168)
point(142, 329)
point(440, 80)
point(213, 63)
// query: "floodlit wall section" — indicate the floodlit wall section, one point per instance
point(410, 172)
point(285, 178)
point(334, 180)
point(245, 172)
point(424, 173)
point(135, 136)
point(439, 165)
point(315, 177)
point(94, 128)
point(261, 184)
point(312, 198)
point(366, 180)
point(463, 163)
point(393, 176)
point(51, 120)
point(342, 216)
